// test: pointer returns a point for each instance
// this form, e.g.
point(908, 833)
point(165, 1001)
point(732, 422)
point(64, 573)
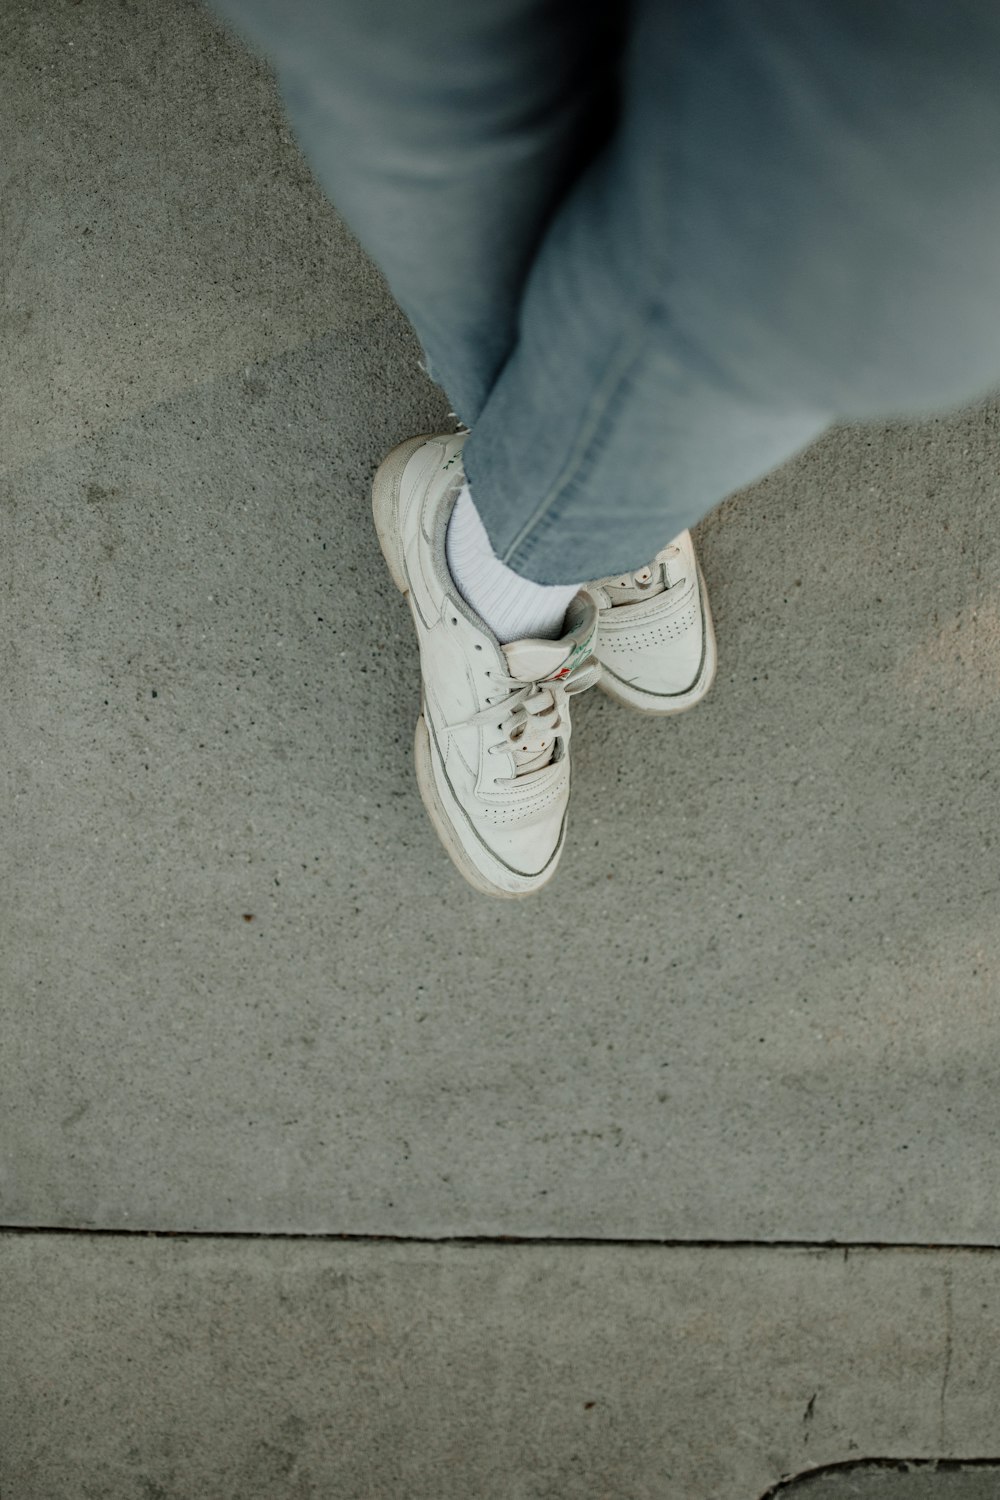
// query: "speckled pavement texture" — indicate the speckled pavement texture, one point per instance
point(201, 1369)
point(242, 989)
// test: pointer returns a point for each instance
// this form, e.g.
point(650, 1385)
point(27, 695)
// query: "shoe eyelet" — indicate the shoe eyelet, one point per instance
point(479, 648)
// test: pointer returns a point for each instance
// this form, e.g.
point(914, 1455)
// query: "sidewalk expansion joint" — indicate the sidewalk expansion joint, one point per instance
point(466, 1240)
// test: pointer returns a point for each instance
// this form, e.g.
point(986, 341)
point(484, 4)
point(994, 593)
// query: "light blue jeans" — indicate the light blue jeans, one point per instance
point(651, 250)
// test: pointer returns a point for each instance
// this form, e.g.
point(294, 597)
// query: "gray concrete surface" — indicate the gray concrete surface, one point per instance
point(242, 988)
point(191, 1369)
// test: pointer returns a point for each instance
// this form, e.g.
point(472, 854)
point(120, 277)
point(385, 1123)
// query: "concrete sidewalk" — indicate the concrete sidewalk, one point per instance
point(243, 991)
point(245, 1368)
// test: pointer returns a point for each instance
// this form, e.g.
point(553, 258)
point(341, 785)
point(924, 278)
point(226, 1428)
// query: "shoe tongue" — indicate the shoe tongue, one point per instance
point(534, 660)
point(538, 660)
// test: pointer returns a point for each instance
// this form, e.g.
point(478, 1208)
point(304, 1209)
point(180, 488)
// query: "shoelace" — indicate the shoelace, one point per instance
point(534, 717)
point(643, 577)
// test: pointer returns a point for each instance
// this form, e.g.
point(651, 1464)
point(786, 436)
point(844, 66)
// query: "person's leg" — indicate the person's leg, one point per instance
point(795, 221)
point(446, 135)
point(792, 221)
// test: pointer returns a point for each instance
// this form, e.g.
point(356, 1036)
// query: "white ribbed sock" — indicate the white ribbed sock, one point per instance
point(513, 607)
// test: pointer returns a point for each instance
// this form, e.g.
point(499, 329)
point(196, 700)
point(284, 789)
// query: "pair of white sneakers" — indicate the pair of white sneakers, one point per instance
point(492, 739)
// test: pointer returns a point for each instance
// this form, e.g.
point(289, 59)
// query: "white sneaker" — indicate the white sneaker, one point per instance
point(492, 740)
point(656, 641)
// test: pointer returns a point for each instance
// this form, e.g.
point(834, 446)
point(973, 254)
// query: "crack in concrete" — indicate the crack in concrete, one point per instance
point(807, 1477)
point(948, 1330)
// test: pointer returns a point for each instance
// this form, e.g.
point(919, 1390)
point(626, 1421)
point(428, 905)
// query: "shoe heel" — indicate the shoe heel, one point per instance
point(385, 504)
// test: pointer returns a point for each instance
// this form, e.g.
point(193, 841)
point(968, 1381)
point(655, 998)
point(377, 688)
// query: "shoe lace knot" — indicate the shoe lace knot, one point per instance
point(535, 716)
